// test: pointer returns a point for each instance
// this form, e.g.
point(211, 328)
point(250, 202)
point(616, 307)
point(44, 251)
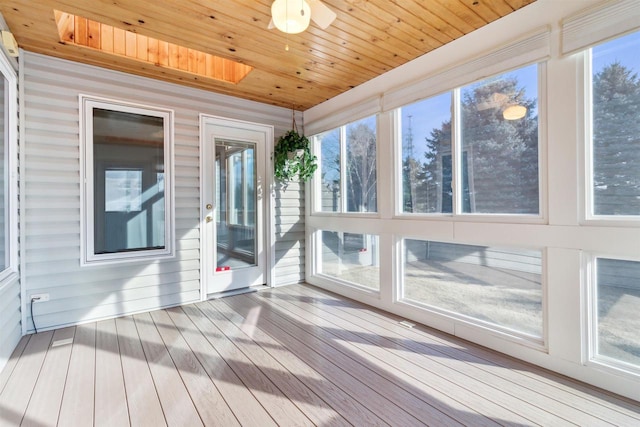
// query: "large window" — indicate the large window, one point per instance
point(348, 168)
point(127, 193)
point(615, 187)
point(494, 169)
point(498, 286)
point(617, 319)
point(350, 257)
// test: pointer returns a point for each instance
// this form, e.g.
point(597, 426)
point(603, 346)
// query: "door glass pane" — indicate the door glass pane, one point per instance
point(235, 201)
point(128, 162)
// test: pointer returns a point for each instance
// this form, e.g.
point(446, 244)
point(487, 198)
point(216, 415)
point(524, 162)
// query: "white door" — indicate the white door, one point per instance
point(233, 204)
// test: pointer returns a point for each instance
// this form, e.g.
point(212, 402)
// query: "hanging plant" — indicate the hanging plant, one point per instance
point(292, 157)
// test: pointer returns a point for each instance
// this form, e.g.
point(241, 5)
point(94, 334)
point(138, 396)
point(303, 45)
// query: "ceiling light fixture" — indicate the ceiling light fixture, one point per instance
point(514, 112)
point(291, 16)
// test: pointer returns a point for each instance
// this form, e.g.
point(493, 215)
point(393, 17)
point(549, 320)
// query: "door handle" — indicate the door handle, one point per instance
point(208, 218)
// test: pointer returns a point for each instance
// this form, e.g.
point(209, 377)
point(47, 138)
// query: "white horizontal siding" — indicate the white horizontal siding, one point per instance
point(289, 232)
point(51, 196)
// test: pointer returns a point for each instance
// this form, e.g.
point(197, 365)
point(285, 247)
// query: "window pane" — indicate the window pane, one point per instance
point(616, 127)
point(426, 156)
point(128, 161)
point(618, 300)
point(499, 142)
point(330, 171)
point(361, 166)
point(235, 231)
point(493, 285)
point(3, 184)
point(351, 257)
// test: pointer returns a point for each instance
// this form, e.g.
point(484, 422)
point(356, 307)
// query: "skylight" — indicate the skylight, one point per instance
point(106, 38)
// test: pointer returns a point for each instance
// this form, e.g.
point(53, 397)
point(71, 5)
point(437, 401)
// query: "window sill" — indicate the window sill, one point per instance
point(130, 257)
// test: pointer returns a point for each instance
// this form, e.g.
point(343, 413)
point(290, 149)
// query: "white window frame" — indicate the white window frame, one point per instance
point(88, 256)
point(316, 267)
point(316, 183)
point(11, 170)
point(533, 341)
point(590, 340)
point(456, 149)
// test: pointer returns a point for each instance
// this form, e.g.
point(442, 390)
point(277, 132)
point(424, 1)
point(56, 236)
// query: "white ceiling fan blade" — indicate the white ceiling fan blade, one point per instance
point(321, 14)
point(271, 25)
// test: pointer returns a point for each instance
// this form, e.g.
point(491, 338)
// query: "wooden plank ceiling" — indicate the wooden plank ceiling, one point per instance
point(368, 38)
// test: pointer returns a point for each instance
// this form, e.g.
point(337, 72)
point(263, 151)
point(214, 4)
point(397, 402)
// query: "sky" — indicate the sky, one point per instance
point(625, 50)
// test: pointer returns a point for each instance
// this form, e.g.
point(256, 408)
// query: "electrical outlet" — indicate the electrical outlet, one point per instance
point(39, 297)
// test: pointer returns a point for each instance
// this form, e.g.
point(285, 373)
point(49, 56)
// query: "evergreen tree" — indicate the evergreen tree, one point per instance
point(616, 141)
point(435, 173)
point(499, 157)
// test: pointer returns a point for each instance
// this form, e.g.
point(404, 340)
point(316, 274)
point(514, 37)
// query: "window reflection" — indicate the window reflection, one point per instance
point(351, 257)
point(128, 159)
point(501, 286)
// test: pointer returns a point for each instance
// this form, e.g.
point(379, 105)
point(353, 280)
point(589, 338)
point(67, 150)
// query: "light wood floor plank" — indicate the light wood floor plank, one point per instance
point(424, 402)
point(207, 398)
point(296, 355)
point(17, 393)
point(175, 400)
point(283, 411)
point(342, 402)
point(13, 361)
point(534, 407)
point(416, 351)
point(142, 398)
point(78, 399)
point(582, 404)
point(369, 400)
point(251, 374)
point(280, 408)
point(318, 411)
point(430, 397)
point(466, 390)
point(111, 407)
point(44, 406)
point(242, 402)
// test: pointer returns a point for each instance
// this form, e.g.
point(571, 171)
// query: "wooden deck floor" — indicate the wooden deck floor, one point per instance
point(292, 356)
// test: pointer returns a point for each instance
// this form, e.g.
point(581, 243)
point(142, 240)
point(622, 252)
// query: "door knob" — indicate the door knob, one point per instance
point(208, 218)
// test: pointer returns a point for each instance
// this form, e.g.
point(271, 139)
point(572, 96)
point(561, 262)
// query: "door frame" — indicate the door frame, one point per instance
point(268, 193)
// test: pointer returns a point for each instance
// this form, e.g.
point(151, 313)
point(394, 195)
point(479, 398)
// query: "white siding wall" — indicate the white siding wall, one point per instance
point(289, 254)
point(51, 194)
